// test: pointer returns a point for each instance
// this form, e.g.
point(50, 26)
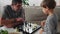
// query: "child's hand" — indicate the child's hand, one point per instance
point(41, 31)
point(42, 23)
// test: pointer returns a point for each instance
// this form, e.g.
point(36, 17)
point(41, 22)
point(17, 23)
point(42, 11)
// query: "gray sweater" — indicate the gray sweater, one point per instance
point(51, 24)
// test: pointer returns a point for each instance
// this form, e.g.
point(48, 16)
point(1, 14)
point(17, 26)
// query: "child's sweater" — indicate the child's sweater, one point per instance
point(51, 24)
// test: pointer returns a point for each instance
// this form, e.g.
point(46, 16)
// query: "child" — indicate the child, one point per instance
point(50, 25)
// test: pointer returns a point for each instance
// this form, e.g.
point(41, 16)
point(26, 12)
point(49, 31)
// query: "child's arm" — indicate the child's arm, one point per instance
point(41, 31)
point(43, 23)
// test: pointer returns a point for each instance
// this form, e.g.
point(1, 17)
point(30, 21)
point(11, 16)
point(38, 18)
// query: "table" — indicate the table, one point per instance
point(26, 28)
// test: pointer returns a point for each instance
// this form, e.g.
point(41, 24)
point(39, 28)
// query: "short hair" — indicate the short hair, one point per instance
point(51, 4)
point(14, 2)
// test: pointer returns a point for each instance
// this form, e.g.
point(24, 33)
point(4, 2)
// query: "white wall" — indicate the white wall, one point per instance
point(3, 3)
point(36, 2)
point(31, 2)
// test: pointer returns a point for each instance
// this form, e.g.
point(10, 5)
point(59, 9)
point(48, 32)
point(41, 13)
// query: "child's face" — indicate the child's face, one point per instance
point(45, 10)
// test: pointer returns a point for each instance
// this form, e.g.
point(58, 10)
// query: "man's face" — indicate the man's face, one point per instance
point(17, 6)
point(45, 10)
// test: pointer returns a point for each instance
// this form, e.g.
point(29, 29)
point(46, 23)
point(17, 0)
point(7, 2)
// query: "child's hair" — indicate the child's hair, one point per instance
point(14, 2)
point(48, 3)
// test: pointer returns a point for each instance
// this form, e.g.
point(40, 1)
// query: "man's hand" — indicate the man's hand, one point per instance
point(10, 25)
point(19, 19)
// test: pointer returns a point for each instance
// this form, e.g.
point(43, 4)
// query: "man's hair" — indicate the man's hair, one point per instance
point(51, 4)
point(14, 2)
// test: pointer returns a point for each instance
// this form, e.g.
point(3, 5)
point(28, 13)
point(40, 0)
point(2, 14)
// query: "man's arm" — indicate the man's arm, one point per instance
point(8, 23)
point(11, 22)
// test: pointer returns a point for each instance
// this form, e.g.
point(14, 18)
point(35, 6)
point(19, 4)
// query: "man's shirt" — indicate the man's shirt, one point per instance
point(9, 13)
